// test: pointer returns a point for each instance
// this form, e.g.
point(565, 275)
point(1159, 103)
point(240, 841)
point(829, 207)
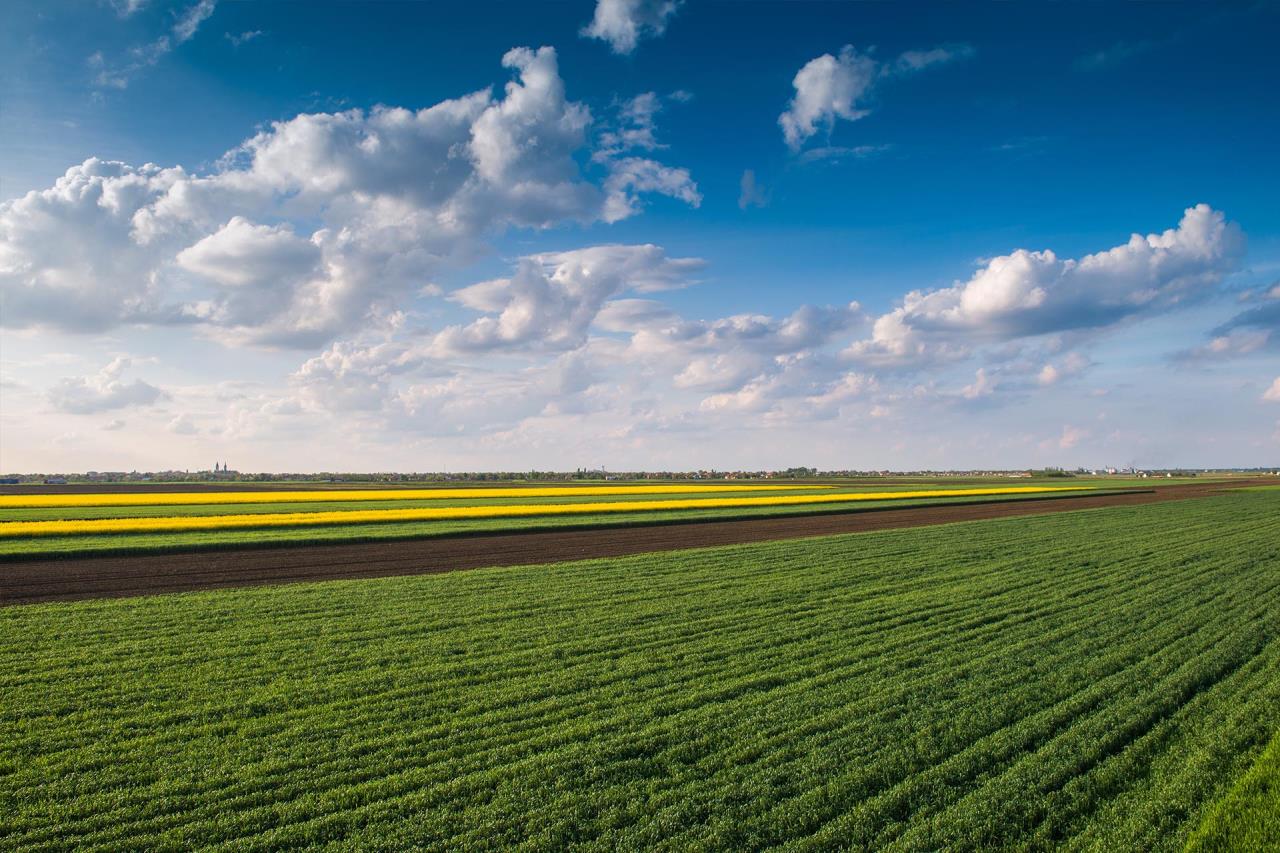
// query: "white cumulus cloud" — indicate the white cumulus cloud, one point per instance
point(622, 23)
point(553, 298)
point(587, 330)
point(829, 87)
point(1028, 293)
point(103, 391)
point(388, 197)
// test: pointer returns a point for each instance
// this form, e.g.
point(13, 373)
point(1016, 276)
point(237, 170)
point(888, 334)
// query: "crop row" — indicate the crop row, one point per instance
point(65, 527)
point(1088, 679)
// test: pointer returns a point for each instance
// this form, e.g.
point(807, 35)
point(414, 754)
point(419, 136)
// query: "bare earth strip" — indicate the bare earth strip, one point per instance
point(34, 581)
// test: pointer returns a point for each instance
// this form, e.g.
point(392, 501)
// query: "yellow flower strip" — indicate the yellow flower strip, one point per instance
point(308, 519)
point(315, 496)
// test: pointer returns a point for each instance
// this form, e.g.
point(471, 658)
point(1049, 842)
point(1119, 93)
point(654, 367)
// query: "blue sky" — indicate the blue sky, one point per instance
point(649, 246)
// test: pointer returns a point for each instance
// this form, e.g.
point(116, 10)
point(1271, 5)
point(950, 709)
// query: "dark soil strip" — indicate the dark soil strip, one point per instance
point(33, 581)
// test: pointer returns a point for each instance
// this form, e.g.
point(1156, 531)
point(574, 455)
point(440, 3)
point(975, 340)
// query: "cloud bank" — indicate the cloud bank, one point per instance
point(586, 334)
point(582, 348)
point(1028, 293)
point(389, 196)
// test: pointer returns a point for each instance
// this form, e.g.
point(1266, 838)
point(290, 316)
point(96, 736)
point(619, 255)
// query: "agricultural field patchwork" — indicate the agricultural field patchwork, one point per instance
point(117, 499)
point(86, 523)
point(1087, 680)
point(234, 520)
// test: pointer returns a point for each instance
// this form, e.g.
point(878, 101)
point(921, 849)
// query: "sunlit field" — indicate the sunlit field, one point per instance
point(1084, 680)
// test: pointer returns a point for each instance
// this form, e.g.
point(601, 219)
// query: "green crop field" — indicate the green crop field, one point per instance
point(1090, 680)
point(1248, 817)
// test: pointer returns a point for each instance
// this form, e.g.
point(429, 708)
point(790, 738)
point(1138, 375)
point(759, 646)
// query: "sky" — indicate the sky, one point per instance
point(638, 235)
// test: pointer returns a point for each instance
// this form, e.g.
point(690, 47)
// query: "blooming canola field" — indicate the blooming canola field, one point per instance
point(232, 520)
point(327, 495)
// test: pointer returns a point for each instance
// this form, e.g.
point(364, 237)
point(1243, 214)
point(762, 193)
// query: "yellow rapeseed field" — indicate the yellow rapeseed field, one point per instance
point(308, 519)
point(316, 496)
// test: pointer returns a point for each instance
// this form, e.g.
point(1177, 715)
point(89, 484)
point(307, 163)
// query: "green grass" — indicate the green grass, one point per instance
point(1083, 680)
point(1248, 817)
point(142, 543)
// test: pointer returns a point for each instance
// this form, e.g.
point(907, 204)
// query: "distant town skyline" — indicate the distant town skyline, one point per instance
point(661, 236)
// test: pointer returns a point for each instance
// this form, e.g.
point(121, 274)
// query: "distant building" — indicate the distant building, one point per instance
point(55, 481)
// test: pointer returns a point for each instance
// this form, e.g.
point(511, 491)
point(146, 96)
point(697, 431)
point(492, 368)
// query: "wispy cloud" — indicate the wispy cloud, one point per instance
point(918, 60)
point(125, 8)
point(1024, 145)
point(1255, 331)
point(190, 20)
point(750, 193)
point(237, 40)
point(842, 152)
point(118, 75)
point(1120, 52)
